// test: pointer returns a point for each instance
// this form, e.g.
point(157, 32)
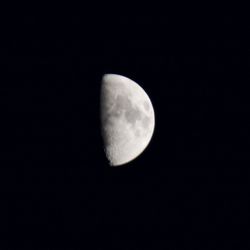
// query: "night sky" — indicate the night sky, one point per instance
point(187, 190)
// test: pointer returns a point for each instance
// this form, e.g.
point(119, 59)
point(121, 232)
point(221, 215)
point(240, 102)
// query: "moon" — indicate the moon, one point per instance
point(127, 119)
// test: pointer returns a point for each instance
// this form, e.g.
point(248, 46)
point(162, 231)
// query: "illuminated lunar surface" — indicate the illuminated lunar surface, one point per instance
point(127, 119)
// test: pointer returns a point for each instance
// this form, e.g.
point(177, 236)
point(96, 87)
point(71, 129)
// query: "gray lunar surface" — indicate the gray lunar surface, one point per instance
point(127, 119)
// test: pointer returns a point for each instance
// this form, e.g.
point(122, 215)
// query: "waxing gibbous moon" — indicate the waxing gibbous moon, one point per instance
point(127, 119)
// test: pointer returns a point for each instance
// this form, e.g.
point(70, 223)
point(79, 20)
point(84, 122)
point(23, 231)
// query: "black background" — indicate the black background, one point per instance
point(188, 190)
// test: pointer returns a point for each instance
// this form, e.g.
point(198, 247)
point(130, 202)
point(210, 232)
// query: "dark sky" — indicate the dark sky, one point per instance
point(188, 190)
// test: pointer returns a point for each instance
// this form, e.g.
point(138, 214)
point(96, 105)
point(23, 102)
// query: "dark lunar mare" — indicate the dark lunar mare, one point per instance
point(122, 105)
